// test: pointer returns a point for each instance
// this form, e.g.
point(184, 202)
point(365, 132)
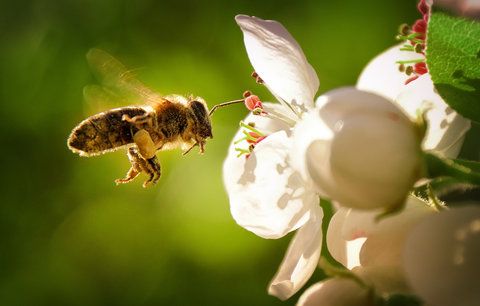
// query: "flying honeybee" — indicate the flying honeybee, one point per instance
point(164, 122)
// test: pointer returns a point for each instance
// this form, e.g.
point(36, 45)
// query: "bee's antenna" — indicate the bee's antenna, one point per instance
point(224, 104)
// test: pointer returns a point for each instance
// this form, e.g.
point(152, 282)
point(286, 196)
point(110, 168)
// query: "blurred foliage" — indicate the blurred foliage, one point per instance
point(68, 235)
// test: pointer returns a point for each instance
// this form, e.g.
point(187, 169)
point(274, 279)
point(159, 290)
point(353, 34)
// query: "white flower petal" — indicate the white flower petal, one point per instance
point(279, 60)
point(446, 128)
point(380, 246)
point(336, 292)
point(266, 195)
point(382, 77)
point(301, 258)
point(374, 156)
point(335, 241)
point(345, 238)
point(386, 238)
point(381, 254)
point(359, 223)
point(309, 129)
point(441, 257)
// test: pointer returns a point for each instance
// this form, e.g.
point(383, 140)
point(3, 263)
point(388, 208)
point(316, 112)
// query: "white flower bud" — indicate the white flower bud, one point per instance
point(337, 292)
point(442, 258)
point(369, 157)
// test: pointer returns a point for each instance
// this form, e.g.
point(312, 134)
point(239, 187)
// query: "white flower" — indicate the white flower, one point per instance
point(446, 128)
point(373, 250)
point(272, 192)
point(348, 229)
point(337, 292)
point(441, 257)
point(267, 196)
point(364, 152)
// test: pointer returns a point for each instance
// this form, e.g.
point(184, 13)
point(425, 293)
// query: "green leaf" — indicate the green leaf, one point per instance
point(462, 170)
point(453, 60)
point(442, 186)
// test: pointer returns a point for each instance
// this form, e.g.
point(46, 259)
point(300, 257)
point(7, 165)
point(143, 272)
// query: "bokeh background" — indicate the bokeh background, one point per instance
point(69, 236)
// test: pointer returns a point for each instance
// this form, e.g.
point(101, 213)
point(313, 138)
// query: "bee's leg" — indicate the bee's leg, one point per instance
point(136, 161)
point(137, 119)
point(150, 166)
point(202, 146)
point(147, 149)
point(154, 171)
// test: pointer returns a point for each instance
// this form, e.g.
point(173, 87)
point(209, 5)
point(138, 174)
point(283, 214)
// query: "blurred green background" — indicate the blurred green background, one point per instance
point(69, 236)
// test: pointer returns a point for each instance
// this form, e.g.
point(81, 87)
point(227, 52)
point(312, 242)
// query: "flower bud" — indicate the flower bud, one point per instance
point(441, 257)
point(370, 155)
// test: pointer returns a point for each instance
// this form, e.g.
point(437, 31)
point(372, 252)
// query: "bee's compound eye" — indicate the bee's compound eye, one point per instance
point(203, 120)
point(199, 110)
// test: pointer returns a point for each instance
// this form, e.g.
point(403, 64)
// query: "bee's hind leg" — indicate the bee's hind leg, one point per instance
point(150, 166)
point(134, 170)
point(154, 171)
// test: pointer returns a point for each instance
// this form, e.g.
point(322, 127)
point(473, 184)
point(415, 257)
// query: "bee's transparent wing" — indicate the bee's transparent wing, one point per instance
point(99, 98)
point(117, 81)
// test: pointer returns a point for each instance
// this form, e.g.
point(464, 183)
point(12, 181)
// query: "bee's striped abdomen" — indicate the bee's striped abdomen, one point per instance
point(104, 132)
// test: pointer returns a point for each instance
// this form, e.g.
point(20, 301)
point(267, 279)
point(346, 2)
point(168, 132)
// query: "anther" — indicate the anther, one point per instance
point(247, 94)
point(409, 70)
point(252, 124)
point(404, 29)
point(257, 78)
point(419, 48)
point(257, 111)
point(401, 68)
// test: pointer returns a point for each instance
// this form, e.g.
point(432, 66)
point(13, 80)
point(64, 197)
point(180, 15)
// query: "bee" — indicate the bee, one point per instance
point(165, 122)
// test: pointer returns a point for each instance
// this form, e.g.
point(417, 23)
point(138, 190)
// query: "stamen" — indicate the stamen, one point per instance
point(416, 35)
point(409, 70)
point(250, 128)
point(419, 48)
point(257, 78)
point(252, 137)
point(404, 29)
point(414, 61)
point(240, 140)
point(407, 48)
point(242, 151)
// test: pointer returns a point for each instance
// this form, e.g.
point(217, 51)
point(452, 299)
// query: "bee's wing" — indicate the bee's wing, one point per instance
point(118, 81)
point(100, 98)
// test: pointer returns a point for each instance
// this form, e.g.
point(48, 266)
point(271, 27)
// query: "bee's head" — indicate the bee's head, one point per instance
point(201, 117)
